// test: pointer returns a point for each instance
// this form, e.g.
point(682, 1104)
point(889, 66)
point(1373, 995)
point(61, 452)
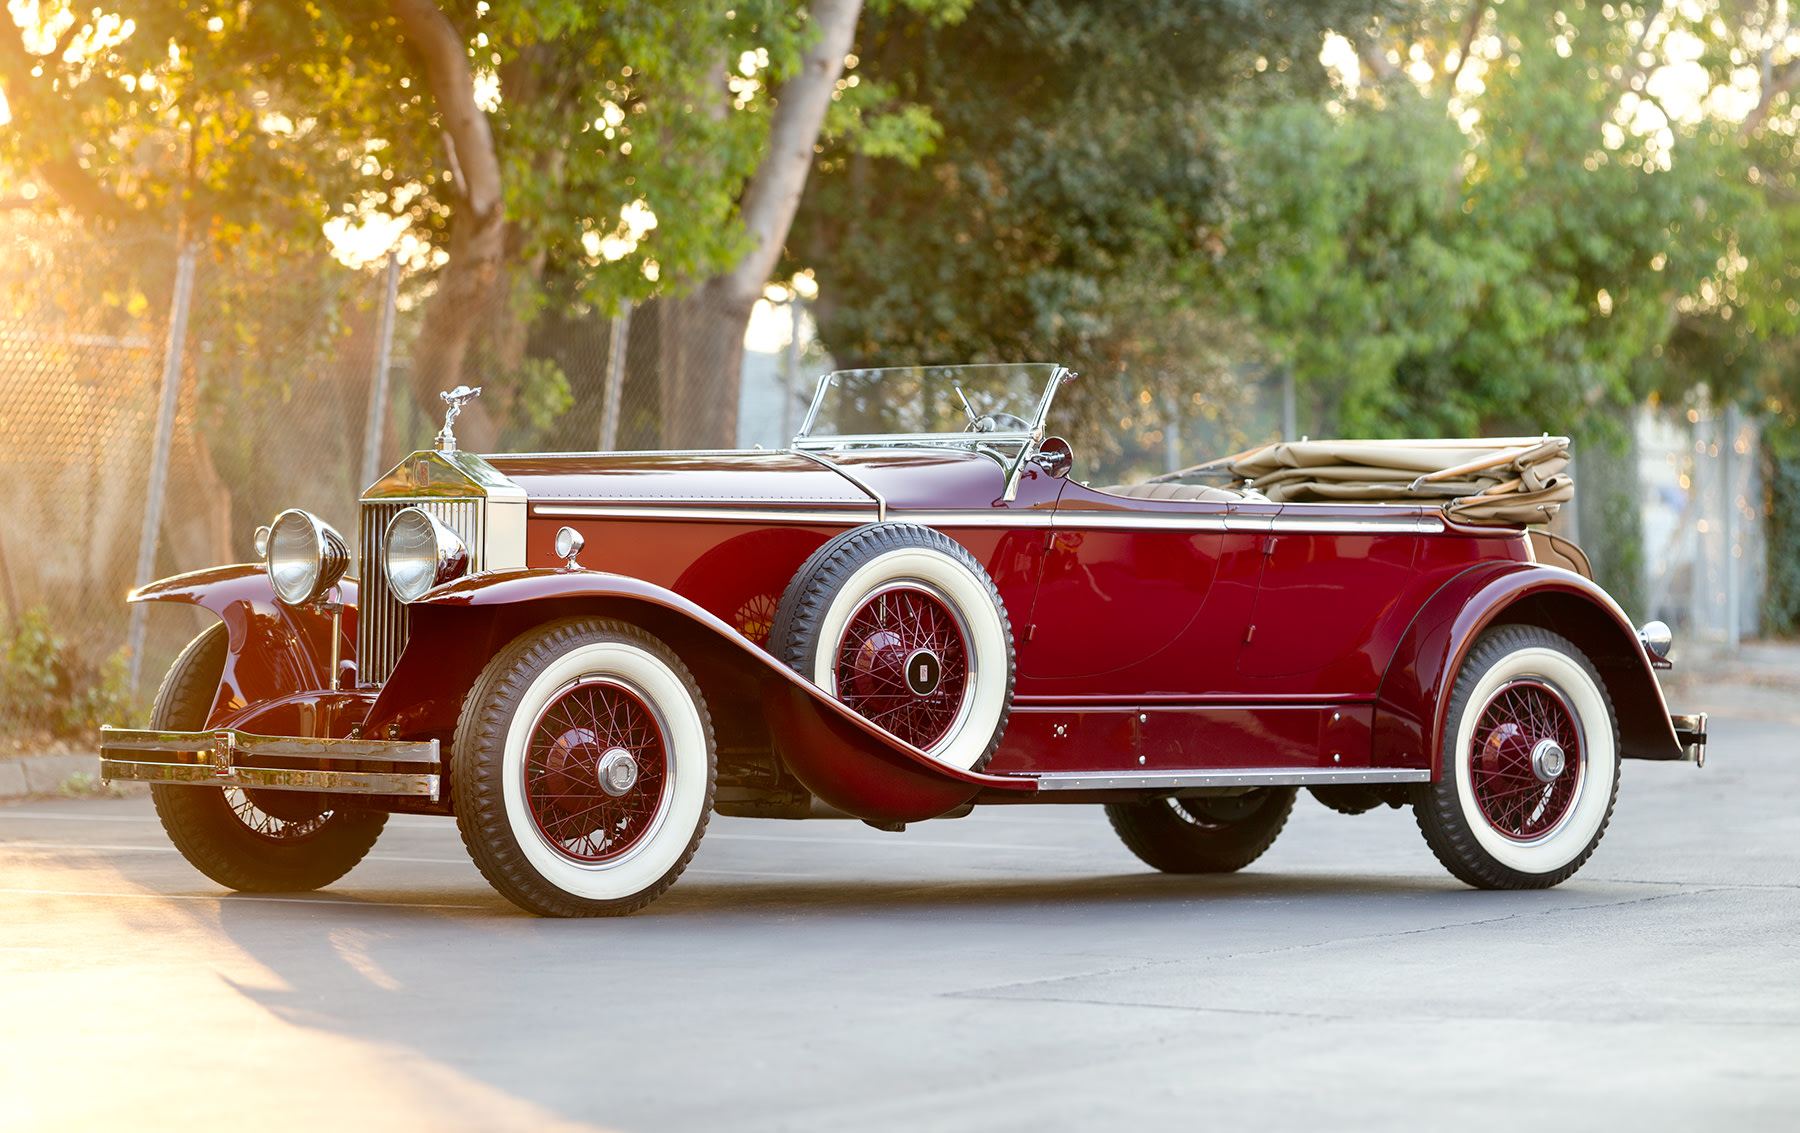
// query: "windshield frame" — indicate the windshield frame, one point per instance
point(1011, 448)
point(962, 438)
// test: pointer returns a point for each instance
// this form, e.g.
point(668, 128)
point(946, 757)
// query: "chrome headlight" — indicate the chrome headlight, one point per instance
point(421, 553)
point(306, 557)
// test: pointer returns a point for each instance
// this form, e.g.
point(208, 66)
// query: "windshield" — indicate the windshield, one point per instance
point(986, 402)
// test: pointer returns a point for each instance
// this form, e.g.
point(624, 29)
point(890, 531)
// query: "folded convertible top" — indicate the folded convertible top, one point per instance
point(1480, 480)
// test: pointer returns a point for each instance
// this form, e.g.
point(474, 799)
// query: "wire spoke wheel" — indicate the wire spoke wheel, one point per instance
point(903, 663)
point(1530, 763)
point(903, 625)
point(1517, 801)
point(268, 815)
point(593, 730)
point(584, 768)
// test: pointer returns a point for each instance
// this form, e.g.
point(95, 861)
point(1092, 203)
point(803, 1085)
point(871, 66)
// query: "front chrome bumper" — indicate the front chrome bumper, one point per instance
point(225, 757)
point(1691, 731)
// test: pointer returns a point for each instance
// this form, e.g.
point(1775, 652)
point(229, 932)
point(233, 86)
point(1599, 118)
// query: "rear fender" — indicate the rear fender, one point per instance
point(275, 650)
point(845, 760)
point(1414, 700)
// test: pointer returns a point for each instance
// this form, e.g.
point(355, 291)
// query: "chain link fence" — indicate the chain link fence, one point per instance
point(272, 377)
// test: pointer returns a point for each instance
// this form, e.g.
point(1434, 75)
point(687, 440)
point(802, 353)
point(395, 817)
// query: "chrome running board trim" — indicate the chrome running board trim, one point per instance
point(1236, 777)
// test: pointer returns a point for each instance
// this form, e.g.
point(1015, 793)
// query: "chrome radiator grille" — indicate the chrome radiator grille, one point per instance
point(381, 625)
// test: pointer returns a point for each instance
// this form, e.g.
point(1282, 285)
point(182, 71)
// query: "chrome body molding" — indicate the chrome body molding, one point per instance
point(1234, 777)
point(225, 757)
point(810, 517)
point(1373, 524)
point(1225, 519)
point(1121, 520)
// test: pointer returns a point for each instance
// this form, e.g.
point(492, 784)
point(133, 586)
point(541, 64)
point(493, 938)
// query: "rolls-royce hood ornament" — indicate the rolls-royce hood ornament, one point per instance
point(454, 401)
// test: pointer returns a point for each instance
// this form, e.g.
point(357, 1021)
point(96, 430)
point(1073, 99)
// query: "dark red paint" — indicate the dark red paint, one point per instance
point(1238, 644)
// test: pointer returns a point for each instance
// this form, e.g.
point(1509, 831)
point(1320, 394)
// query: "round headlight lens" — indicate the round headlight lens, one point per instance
point(305, 558)
point(422, 552)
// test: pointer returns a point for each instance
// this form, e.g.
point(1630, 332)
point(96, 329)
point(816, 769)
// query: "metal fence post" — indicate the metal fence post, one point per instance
point(797, 309)
point(378, 387)
point(159, 454)
point(618, 344)
point(1733, 550)
point(1290, 417)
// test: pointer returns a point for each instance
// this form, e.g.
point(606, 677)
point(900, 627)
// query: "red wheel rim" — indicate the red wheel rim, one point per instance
point(572, 737)
point(892, 627)
point(1515, 801)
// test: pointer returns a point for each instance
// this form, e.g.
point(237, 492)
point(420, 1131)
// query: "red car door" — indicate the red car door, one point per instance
point(1123, 580)
point(1329, 577)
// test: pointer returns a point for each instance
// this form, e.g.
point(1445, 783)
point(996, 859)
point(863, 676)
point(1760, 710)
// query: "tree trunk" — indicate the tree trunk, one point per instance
point(466, 286)
point(702, 331)
point(702, 340)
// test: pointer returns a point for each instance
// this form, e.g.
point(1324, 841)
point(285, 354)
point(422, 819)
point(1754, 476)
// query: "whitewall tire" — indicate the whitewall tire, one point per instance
point(584, 769)
point(1530, 763)
point(901, 623)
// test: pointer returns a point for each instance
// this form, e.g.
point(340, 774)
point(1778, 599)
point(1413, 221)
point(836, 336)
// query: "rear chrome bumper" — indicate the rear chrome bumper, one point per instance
point(1691, 731)
point(228, 758)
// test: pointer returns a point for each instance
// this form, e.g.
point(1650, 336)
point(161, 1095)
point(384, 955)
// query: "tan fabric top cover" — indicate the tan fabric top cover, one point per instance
point(1494, 480)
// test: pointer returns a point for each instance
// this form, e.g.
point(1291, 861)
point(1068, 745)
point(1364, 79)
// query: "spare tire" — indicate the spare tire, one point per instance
point(902, 624)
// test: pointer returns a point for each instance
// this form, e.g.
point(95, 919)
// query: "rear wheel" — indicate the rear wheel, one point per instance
point(1204, 835)
point(1530, 764)
point(584, 769)
point(255, 841)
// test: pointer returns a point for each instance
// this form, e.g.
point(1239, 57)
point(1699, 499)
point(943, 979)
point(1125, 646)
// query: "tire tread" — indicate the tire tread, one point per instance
point(200, 822)
point(1436, 807)
point(479, 800)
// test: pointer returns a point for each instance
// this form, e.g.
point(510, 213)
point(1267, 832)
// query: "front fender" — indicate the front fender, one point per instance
point(847, 761)
point(1414, 700)
point(274, 650)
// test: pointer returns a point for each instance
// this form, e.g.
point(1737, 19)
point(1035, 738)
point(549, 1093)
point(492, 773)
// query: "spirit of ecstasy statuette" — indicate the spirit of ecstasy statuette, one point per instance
point(454, 402)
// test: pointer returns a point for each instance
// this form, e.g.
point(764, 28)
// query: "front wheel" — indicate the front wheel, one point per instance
point(1203, 835)
point(1530, 764)
point(583, 769)
point(256, 841)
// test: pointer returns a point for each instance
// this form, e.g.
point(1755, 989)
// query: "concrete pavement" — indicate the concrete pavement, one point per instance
point(1016, 969)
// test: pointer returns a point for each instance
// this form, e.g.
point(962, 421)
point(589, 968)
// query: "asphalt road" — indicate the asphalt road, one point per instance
point(1016, 969)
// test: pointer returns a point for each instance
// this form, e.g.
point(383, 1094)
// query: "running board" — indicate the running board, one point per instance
point(1236, 777)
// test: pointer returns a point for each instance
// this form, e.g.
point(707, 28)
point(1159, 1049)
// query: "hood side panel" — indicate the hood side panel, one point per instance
point(777, 479)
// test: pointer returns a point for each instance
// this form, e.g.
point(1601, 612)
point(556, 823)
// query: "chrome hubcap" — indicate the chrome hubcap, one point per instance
point(617, 771)
point(1548, 760)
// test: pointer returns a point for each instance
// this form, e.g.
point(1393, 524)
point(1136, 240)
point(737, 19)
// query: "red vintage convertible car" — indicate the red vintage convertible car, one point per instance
point(911, 611)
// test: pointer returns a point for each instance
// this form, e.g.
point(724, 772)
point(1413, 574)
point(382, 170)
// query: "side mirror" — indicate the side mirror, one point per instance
point(1055, 457)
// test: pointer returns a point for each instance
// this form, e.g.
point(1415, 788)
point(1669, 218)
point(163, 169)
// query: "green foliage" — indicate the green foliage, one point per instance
point(1424, 280)
point(47, 686)
point(1071, 207)
point(542, 393)
point(1781, 472)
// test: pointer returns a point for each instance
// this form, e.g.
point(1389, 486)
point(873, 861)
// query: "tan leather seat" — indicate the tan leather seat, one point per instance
point(1168, 490)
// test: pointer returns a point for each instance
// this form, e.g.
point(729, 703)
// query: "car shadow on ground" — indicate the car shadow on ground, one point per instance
point(693, 897)
point(705, 896)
